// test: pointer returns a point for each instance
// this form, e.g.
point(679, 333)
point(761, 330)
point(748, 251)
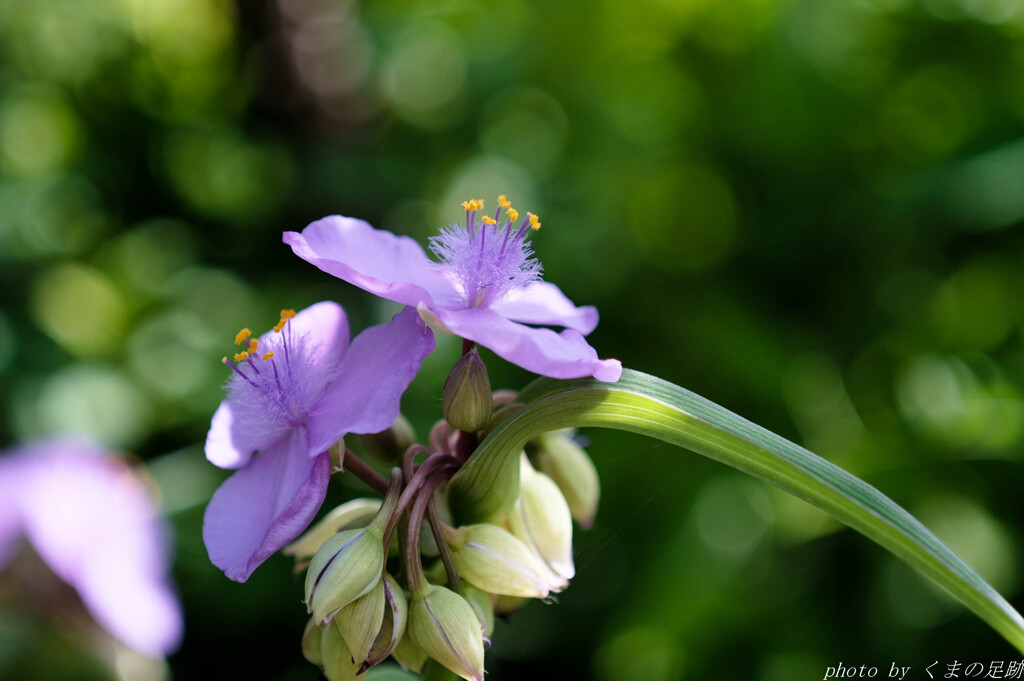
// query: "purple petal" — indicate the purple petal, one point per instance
point(376, 370)
point(541, 302)
point(324, 328)
point(318, 337)
point(542, 351)
point(390, 266)
point(93, 522)
point(225, 447)
point(264, 506)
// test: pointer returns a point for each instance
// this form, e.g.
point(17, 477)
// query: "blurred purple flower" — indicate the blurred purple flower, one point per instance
point(292, 395)
point(93, 521)
point(486, 282)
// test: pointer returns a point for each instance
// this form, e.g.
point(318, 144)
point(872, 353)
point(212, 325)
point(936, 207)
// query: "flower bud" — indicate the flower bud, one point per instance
point(359, 622)
point(409, 655)
point(467, 394)
point(338, 664)
point(493, 560)
point(541, 519)
point(389, 445)
point(311, 639)
point(482, 604)
point(443, 625)
point(354, 513)
point(347, 566)
point(392, 627)
point(350, 563)
point(560, 458)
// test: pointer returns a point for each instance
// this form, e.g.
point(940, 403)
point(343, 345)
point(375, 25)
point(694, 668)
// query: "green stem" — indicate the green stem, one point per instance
point(487, 485)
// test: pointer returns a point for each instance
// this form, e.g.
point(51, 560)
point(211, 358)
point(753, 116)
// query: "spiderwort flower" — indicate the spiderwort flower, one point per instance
point(94, 523)
point(485, 288)
point(294, 393)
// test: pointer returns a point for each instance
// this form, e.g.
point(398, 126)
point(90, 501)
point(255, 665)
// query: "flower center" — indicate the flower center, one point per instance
point(268, 382)
point(488, 257)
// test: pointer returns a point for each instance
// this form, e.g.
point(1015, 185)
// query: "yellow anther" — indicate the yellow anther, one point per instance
point(267, 356)
point(513, 214)
point(489, 220)
point(287, 314)
point(478, 204)
point(504, 202)
point(241, 356)
point(534, 221)
point(224, 360)
point(252, 347)
point(280, 325)
point(467, 205)
point(242, 335)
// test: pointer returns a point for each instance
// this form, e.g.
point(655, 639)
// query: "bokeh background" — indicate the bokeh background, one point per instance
point(808, 211)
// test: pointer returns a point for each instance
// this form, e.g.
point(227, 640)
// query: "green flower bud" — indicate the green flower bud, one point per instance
point(359, 622)
point(482, 604)
point(565, 462)
point(392, 627)
point(350, 563)
point(495, 561)
point(311, 639)
point(347, 566)
point(354, 513)
point(409, 655)
point(389, 445)
point(466, 400)
point(443, 625)
point(541, 519)
point(338, 664)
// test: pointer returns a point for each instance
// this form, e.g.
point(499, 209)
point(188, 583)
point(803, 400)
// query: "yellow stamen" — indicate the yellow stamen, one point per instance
point(241, 356)
point(467, 205)
point(252, 347)
point(534, 221)
point(280, 325)
point(287, 314)
point(513, 214)
point(489, 220)
point(224, 360)
point(242, 335)
point(267, 356)
point(503, 201)
point(478, 204)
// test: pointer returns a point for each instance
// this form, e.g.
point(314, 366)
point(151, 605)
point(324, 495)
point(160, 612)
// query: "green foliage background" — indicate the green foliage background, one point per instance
point(808, 211)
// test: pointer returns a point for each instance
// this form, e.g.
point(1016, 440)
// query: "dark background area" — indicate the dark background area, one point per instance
point(808, 211)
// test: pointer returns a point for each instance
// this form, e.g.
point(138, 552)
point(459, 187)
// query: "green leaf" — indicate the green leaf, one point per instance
point(487, 485)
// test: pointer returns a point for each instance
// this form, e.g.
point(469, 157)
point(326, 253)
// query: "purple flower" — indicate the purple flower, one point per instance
point(292, 395)
point(487, 280)
point(94, 523)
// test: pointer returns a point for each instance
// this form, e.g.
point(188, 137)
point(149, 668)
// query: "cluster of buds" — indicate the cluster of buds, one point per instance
point(398, 578)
